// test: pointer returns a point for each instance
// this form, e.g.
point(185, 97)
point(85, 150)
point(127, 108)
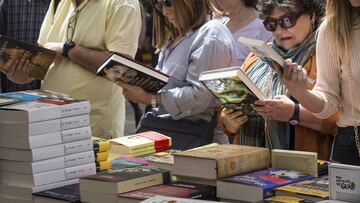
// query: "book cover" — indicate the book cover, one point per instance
point(161, 141)
point(255, 186)
point(318, 187)
point(70, 193)
point(100, 144)
point(221, 161)
point(178, 189)
point(120, 68)
point(127, 162)
point(131, 144)
point(102, 165)
point(123, 180)
point(101, 156)
point(233, 88)
point(40, 58)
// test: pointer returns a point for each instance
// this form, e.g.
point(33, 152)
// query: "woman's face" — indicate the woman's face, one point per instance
point(169, 13)
point(290, 37)
point(355, 3)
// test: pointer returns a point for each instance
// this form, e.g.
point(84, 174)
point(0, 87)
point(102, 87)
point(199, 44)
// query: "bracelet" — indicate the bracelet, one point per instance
point(153, 101)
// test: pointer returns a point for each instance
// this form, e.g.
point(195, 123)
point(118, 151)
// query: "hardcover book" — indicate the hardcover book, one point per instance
point(316, 189)
point(220, 161)
point(40, 58)
point(233, 88)
point(115, 181)
point(124, 69)
point(70, 193)
point(255, 186)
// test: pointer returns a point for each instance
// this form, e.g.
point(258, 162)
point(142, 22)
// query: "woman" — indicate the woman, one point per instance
point(190, 43)
point(293, 24)
point(339, 77)
point(243, 21)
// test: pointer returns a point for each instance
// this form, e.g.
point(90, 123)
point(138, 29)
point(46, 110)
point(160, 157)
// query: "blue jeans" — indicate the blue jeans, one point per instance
point(344, 147)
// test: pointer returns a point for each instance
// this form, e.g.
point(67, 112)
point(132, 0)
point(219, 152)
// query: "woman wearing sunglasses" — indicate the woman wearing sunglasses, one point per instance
point(189, 43)
point(338, 85)
point(243, 21)
point(283, 124)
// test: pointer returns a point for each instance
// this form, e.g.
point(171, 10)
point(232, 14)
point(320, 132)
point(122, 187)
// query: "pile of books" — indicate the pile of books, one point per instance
point(44, 143)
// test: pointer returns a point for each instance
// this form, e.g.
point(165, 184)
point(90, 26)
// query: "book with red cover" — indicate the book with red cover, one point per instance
point(162, 142)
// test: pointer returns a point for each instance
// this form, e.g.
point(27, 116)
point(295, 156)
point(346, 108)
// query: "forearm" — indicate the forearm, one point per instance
point(311, 101)
point(308, 120)
point(89, 59)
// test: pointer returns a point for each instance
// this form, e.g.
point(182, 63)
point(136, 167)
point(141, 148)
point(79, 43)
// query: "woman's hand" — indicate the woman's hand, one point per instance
point(19, 71)
point(295, 79)
point(233, 119)
point(134, 93)
point(281, 108)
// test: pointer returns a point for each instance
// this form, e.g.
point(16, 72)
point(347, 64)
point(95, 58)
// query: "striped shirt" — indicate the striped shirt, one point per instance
point(209, 47)
point(21, 20)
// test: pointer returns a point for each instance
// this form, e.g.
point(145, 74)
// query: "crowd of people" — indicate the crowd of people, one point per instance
point(312, 105)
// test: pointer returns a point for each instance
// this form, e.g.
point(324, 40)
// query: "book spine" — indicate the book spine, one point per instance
point(78, 146)
point(101, 146)
point(75, 122)
point(102, 165)
point(101, 156)
point(244, 163)
point(80, 171)
point(76, 108)
point(79, 159)
point(76, 134)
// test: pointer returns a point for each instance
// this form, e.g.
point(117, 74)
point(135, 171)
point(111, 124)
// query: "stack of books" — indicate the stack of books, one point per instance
point(140, 144)
point(44, 143)
point(101, 152)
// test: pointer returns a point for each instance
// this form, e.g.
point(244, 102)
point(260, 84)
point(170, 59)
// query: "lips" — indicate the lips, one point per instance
point(285, 38)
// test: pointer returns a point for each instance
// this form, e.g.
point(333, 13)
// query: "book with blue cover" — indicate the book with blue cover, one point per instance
point(257, 185)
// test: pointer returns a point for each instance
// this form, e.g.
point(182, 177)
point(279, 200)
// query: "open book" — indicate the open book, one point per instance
point(123, 69)
point(233, 88)
point(12, 50)
point(263, 51)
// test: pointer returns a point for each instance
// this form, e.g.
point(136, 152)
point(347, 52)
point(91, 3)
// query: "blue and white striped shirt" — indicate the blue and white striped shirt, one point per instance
point(209, 47)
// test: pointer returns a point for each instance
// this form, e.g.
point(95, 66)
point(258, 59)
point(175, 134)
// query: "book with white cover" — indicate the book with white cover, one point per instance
point(25, 192)
point(28, 129)
point(26, 167)
point(42, 110)
point(48, 177)
point(37, 141)
point(131, 144)
point(46, 152)
point(344, 182)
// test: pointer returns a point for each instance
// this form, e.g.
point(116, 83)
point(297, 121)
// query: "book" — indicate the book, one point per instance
point(101, 156)
point(344, 182)
point(178, 189)
point(100, 144)
point(29, 167)
point(295, 160)
point(40, 58)
point(69, 193)
point(37, 141)
point(233, 88)
point(220, 161)
point(162, 159)
point(115, 181)
point(258, 185)
point(102, 165)
point(124, 69)
point(262, 50)
point(285, 199)
point(127, 162)
point(163, 199)
point(39, 179)
point(48, 106)
point(315, 190)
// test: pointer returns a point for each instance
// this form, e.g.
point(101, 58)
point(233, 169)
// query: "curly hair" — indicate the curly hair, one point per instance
point(250, 3)
point(315, 8)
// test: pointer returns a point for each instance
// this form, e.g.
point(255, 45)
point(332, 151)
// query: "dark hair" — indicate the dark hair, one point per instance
point(315, 8)
point(250, 3)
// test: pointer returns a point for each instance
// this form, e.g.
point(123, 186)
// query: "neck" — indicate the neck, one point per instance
point(239, 18)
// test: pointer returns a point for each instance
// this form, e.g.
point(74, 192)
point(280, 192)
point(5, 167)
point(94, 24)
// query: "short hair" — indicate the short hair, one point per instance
point(189, 14)
point(315, 8)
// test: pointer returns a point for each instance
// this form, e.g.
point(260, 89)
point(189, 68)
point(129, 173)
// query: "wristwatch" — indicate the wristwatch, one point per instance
point(66, 48)
point(294, 120)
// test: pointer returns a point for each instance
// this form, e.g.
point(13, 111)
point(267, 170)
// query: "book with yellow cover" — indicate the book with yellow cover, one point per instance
point(101, 156)
point(100, 144)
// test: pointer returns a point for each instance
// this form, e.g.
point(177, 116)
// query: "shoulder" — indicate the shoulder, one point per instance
point(215, 27)
point(123, 3)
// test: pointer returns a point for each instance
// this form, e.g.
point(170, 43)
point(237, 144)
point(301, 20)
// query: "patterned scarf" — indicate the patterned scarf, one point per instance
point(276, 134)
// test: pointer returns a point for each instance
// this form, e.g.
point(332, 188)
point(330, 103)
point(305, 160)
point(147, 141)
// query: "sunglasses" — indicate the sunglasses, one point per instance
point(158, 5)
point(285, 22)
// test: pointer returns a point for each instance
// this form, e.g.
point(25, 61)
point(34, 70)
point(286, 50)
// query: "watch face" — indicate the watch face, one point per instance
point(294, 122)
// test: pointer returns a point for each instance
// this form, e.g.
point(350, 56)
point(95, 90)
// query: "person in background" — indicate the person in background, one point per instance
point(243, 21)
point(190, 43)
point(337, 87)
point(283, 123)
point(21, 20)
point(84, 33)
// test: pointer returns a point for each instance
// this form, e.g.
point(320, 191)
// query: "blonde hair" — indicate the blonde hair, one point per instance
point(341, 18)
point(189, 14)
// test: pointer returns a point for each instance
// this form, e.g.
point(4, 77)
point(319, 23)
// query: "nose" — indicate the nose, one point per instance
point(279, 29)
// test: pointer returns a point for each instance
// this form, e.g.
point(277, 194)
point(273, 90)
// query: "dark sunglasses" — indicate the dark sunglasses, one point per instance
point(285, 22)
point(158, 5)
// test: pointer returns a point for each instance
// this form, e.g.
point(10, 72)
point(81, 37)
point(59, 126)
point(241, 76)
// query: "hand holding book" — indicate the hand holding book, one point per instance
point(19, 69)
